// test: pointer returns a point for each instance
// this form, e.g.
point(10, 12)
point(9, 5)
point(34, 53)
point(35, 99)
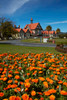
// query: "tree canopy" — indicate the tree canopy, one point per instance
point(6, 28)
point(58, 30)
point(48, 28)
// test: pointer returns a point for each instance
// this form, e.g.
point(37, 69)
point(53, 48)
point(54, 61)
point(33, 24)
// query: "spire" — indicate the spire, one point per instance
point(31, 20)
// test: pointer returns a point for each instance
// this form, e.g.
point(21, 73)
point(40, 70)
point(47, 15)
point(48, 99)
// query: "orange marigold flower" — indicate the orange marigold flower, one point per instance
point(5, 78)
point(35, 99)
point(10, 81)
point(17, 77)
point(62, 92)
point(25, 97)
point(60, 82)
point(33, 93)
point(1, 94)
point(16, 72)
point(17, 89)
point(65, 83)
point(47, 93)
point(15, 81)
point(51, 81)
point(17, 98)
point(45, 84)
point(28, 73)
point(26, 89)
point(12, 97)
point(52, 97)
point(5, 99)
point(52, 91)
point(35, 80)
point(41, 78)
point(9, 75)
point(13, 86)
point(41, 98)
point(27, 85)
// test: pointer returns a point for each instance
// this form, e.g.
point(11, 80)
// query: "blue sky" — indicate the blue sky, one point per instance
point(46, 12)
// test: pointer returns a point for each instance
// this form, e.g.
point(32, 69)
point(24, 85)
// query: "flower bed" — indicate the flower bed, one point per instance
point(33, 76)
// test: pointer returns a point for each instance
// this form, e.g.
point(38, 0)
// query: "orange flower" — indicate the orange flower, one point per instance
point(47, 93)
point(62, 92)
point(17, 98)
point(60, 82)
point(51, 81)
point(28, 73)
point(25, 97)
point(5, 78)
point(13, 86)
point(15, 81)
point(33, 93)
point(45, 84)
point(41, 78)
point(52, 97)
point(35, 99)
point(65, 83)
point(1, 94)
point(35, 80)
point(9, 75)
point(16, 72)
point(52, 91)
point(17, 89)
point(14, 98)
point(40, 72)
point(5, 99)
point(10, 81)
point(27, 85)
point(26, 89)
point(17, 77)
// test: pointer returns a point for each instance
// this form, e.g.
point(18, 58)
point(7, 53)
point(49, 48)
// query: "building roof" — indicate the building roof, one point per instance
point(32, 26)
point(18, 29)
point(25, 30)
point(48, 32)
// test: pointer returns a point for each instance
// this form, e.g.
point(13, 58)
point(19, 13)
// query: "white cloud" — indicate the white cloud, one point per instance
point(60, 22)
point(12, 6)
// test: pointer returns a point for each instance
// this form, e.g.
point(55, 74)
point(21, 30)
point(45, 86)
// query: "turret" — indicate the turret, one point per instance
point(31, 20)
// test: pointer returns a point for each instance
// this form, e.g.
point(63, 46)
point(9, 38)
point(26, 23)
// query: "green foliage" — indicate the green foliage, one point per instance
point(63, 35)
point(48, 28)
point(58, 30)
point(6, 28)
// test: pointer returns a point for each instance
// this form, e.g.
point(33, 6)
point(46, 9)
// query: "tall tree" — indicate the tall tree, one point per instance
point(6, 28)
point(58, 30)
point(48, 28)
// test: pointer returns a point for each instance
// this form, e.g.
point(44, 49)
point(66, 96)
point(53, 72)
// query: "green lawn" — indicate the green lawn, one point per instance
point(6, 48)
point(32, 40)
point(64, 41)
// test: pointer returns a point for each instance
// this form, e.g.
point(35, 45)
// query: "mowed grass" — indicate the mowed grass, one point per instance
point(32, 40)
point(57, 41)
point(64, 41)
point(7, 48)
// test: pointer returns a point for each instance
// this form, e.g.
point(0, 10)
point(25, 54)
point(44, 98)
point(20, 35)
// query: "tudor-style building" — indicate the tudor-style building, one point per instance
point(22, 33)
point(34, 28)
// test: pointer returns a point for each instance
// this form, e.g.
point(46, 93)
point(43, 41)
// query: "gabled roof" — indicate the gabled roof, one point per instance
point(18, 29)
point(32, 25)
point(25, 30)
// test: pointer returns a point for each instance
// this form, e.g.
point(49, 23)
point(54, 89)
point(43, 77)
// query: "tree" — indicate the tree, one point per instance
point(6, 28)
point(48, 28)
point(58, 30)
